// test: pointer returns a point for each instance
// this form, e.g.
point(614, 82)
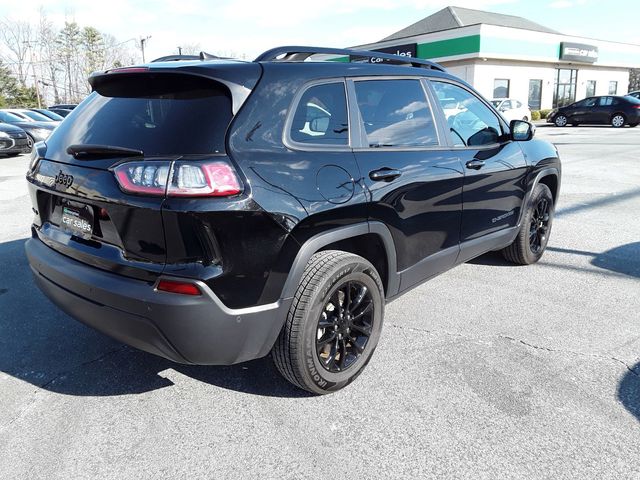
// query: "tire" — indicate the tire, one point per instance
point(326, 279)
point(634, 124)
point(30, 142)
point(618, 120)
point(561, 121)
point(533, 236)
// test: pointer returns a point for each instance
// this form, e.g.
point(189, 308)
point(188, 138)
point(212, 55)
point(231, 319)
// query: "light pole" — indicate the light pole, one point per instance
point(179, 50)
point(142, 42)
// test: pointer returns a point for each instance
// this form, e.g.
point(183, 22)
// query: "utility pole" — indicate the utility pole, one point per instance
point(179, 50)
point(142, 42)
point(33, 69)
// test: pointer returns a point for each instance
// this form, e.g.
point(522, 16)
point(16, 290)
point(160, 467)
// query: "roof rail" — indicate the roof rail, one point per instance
point(300, 54)
point(175, 58)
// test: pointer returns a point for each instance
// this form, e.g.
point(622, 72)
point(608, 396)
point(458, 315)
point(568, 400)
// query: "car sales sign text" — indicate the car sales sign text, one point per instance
point(578, 52)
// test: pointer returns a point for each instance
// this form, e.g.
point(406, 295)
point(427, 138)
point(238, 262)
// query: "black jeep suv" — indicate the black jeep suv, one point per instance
point(214, 211)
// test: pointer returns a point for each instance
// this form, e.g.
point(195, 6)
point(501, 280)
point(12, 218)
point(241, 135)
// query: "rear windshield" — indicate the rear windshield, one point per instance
point(160, 114)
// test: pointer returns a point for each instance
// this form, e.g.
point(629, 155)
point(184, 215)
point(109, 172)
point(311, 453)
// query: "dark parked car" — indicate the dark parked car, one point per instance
point(213, 211)
point(29, 115)
point(607, 110)
point(13, 140)
point(36, 131)
point(63, 112)
point(48, 113)
point(64, 106)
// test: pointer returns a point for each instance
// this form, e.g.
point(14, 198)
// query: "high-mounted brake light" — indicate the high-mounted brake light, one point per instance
point(129, 70)
point(183, 288)
point(178, 179)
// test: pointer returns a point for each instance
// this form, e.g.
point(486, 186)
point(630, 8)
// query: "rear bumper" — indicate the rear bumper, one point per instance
point(185, 329)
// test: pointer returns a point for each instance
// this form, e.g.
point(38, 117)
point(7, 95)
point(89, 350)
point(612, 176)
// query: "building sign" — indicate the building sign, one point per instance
point(578, 52)
point(408, 50)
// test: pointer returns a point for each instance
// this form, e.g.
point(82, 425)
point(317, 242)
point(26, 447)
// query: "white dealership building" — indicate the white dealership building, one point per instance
point(508, 56)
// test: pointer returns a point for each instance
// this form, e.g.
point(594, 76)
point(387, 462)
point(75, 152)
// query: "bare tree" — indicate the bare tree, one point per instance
point(16, 37)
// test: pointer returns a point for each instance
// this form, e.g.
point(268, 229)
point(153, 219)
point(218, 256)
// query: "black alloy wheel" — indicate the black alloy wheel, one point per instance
point(535, 228)
point(345, 326)
point(333, 324)
point(539, 226)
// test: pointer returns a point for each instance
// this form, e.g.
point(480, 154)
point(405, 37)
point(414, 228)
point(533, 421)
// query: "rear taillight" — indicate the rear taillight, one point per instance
point(178, 179)
point(183, 288)
point(635, 106)
point(148, 178)
point(215, 179)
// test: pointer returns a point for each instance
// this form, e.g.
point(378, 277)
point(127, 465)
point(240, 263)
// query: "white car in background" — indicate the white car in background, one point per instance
point(512, 109)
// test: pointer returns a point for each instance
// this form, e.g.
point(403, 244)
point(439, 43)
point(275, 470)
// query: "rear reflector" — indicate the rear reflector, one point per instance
point(182, 288)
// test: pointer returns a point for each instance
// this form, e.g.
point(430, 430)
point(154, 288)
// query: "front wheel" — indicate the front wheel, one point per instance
point(333, 325)
point(561, 121)
point(618, 120)
point(533, 236)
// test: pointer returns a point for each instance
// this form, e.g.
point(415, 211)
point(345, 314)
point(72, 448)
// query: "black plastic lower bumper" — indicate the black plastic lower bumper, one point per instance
point(185, 329)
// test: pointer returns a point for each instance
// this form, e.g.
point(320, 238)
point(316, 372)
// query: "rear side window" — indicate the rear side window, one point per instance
point(160, 114)
point(395, 113)
point(321, 116)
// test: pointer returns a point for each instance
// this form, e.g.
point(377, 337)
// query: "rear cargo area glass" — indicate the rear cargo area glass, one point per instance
point(160, 114)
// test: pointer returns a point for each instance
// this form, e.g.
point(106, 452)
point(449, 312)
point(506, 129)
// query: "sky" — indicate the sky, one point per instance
point(248, 27)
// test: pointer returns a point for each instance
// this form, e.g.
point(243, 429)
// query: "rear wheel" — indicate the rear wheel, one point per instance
point(30, 141)
point(532, 239)
point(560, 121)
point(333, 325)
point(618, 120)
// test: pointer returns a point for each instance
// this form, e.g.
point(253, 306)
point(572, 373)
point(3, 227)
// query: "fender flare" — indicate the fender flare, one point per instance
point(317, 242)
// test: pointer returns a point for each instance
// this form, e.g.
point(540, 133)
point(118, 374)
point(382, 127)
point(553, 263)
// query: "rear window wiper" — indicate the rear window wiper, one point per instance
point(91, 152)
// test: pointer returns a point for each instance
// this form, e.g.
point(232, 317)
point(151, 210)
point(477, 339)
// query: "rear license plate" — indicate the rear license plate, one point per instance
point(78, 221)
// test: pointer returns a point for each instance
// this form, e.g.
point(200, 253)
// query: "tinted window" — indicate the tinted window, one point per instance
point(474, 124)
point(167, 114)
point(587, 102)
point(396, 113)
point(507, 105)
point(606, 101)
point(36, 116)
point(321, 116)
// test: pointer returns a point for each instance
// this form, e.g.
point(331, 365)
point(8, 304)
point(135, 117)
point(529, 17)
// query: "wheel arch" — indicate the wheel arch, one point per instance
point(550, 178)
point(370, 240)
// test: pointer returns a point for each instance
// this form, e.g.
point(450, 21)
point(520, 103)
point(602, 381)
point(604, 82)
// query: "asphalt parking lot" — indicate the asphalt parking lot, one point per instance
point(488, 371)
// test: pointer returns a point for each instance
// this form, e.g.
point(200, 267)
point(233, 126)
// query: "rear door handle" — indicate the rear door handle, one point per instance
point(475, 164)
point(384, 174)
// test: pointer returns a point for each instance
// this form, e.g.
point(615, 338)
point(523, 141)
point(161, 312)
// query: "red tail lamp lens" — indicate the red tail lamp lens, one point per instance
point(182, 288)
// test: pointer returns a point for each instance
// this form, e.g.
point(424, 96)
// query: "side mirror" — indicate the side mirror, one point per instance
point(521, 131)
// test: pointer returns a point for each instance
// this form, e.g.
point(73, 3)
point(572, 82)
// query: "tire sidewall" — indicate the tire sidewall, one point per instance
point(316, 376)
point(539, 192)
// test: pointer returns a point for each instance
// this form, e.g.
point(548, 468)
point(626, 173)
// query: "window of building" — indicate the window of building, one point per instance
point(471, 123)
point(321, 116)
point(535, 94)
point(613, 88)
point(395, 113)
point(565, 87)
point(591, 88)
point(500, 88)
